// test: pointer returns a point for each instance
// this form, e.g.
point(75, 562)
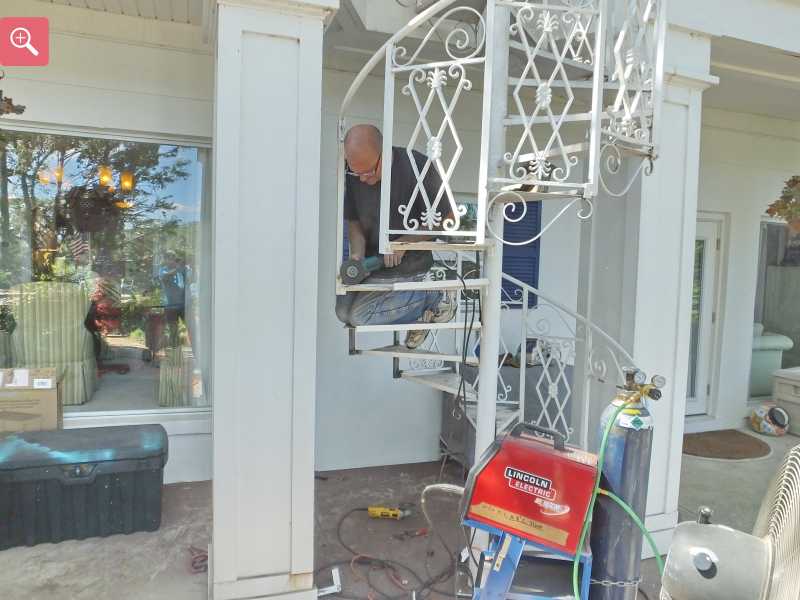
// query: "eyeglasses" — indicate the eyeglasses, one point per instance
point(372, 172)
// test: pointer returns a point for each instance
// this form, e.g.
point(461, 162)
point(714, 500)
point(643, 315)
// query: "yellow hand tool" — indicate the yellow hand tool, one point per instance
point(386, 512)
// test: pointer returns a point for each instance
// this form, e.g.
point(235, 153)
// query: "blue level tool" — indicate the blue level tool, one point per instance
point(521, 570)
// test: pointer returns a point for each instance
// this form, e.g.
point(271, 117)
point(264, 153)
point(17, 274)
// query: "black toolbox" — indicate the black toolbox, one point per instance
point(79, 483)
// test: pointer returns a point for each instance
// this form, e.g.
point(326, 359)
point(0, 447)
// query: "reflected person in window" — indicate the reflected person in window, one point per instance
point(363, 153)
point(174, 276)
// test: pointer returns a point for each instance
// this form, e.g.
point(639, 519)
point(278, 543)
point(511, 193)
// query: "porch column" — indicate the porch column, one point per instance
point(636, 274)
point(664, 267)
point(265, 242)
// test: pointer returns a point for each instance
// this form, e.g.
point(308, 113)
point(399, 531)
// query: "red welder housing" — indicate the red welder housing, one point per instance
point(532, 487)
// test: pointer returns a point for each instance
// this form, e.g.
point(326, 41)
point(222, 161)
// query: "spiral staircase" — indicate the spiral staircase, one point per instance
point(569, 92)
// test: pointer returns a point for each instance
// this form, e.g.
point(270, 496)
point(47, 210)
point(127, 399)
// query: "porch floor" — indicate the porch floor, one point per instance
point(139, 566)
point(145, 566)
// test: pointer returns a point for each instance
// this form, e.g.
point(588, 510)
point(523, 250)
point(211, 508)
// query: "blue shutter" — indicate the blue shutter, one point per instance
point(522, 262)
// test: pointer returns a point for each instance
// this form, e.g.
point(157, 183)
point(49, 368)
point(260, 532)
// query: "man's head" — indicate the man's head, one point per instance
point(362, 150)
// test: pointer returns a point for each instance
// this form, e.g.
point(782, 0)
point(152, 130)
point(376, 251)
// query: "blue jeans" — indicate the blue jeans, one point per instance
point(386, 308)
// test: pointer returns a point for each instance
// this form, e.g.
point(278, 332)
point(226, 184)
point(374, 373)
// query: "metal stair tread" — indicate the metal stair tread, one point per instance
point(415, 326)
point(400, 351)
point(438, 284)
point(504, 413)
point(439, 246)
point(445, 381)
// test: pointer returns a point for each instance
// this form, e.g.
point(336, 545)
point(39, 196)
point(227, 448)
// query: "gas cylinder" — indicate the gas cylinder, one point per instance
point(616, 541)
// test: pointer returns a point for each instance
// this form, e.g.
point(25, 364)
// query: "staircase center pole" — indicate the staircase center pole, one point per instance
point(497, 23)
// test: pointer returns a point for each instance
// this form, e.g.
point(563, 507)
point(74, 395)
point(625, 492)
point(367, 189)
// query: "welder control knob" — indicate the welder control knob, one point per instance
point(704, 514)
point(705, 563)
point(659, 381)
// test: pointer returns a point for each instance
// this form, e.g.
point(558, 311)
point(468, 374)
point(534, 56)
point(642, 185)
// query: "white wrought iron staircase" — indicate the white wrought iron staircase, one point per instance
point(570, 89)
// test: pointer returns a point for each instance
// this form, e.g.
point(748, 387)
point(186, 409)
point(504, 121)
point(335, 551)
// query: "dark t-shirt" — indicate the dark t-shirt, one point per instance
point(362, 203)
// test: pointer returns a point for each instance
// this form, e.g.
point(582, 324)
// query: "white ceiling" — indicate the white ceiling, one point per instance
point(754, 79)
point(177, 11)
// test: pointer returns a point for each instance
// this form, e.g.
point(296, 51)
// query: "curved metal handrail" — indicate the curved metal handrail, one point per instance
point(577, 316)
point(381, 53)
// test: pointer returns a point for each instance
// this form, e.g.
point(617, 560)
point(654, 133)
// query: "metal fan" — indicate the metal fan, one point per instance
point(713, 562)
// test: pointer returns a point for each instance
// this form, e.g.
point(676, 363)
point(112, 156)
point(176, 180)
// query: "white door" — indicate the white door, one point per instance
point(704, 309)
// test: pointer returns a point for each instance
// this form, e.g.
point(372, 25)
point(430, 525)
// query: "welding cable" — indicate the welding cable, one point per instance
point(596, 492)
point(466, 337)
point(382, 564)
point(445, 488)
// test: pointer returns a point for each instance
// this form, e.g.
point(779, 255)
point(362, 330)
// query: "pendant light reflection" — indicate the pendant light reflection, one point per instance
point(126, 181)
point(104, 175)
point(43, 176)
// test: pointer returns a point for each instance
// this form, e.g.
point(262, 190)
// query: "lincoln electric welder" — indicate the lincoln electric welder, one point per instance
point(535, 496)
point(533, 487)
point(532, 493)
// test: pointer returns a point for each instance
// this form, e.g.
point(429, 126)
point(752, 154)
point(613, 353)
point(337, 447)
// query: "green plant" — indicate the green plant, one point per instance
point(7, 322)
point(787, 207)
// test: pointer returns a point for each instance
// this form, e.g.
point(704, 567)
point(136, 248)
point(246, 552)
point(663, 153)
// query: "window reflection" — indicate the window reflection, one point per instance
point(102, 270)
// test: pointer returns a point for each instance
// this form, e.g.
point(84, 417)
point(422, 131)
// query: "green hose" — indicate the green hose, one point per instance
point(595, 492)
point(635, 518)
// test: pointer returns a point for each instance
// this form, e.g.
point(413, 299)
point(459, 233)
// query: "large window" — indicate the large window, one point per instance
point(103, 270)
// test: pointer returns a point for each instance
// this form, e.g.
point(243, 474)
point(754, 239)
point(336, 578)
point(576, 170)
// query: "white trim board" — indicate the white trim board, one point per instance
point(104, 133)
point(188, 431)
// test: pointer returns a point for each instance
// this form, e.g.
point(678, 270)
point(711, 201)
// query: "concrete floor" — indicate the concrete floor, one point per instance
point(139, 566)
point(732, 489)
point(150, 566)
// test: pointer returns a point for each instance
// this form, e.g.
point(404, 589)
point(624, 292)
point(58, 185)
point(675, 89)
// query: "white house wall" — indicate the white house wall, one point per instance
point(768, 22)
point(116, 75)
point(115, 72)
point(743, 163)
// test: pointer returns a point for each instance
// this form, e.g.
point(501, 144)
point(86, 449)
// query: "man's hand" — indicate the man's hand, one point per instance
point(392, 260)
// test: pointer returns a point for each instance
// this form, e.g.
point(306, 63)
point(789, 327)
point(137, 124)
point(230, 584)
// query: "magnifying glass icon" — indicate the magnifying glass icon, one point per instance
point(21, 38)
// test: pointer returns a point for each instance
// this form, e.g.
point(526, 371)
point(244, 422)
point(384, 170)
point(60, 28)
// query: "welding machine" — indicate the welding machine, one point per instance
point(532, 486)
point(532, 492)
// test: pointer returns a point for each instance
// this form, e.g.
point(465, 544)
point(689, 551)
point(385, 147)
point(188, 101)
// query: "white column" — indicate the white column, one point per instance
point(266, 196)
point(497, 82)
point(636, 277)
point(664, 268)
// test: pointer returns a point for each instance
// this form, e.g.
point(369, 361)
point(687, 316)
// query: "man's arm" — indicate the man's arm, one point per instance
point(357, 240)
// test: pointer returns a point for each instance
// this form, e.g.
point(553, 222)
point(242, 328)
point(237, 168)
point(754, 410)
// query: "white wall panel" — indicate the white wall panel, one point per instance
point(744, 161)
point(115, 72)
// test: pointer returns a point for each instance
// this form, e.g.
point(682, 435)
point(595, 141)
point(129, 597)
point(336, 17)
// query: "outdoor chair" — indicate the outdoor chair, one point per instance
point(50, 332)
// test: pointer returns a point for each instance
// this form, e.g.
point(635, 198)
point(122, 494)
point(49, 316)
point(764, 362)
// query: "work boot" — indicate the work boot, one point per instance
point(444, 312)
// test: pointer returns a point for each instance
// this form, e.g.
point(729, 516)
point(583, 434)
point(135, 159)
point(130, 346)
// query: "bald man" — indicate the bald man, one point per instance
point(362, 198)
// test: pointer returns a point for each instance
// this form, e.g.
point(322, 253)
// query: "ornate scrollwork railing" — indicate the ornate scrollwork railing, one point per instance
point(548, 344)
point(438, 74)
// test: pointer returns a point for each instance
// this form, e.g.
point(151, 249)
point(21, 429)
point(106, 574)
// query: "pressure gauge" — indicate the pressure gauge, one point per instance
point(640, 377)
point(659, 381)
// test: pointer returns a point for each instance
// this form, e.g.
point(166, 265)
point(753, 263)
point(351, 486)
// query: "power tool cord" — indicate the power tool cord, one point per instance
point(460, 395)
point(392, 568)
point(446, 488)
point(596, 492)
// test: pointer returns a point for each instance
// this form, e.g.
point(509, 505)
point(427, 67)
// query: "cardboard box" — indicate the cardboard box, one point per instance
point(30, 400)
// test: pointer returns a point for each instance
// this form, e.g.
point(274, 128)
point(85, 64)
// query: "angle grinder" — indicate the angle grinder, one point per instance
point(353, 272)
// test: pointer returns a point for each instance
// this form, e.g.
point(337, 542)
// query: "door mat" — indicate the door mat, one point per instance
point(729, 444)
